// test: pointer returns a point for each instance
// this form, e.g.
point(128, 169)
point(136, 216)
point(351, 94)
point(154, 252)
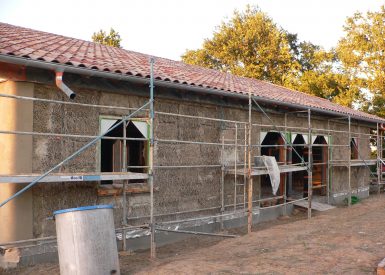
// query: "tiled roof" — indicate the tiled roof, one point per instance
point(37, 45)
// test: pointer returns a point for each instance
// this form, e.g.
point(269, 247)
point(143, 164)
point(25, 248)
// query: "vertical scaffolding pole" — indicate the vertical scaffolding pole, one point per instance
point(222, 178)
point(285, 162)
point(380, 155)
point(249, 178)
point(379, 170)
point(151, 161)
point(235, 166)
point(328, 164)
point(310, 166)
point(244, 168)
point(124, 199)
point(349, 162)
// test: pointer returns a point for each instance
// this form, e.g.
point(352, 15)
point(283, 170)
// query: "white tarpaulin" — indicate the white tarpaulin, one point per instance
point(273, 170)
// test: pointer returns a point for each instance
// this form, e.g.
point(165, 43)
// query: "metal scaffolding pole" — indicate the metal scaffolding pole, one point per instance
point(310, 165)
point(285, 162)
point(222, 178)
point(328, 182)
point(349, 163)
point(249, 178)
point(124, 195)
point(379, 170)
point(235, 166)
point(151, 162)
point(244, 167)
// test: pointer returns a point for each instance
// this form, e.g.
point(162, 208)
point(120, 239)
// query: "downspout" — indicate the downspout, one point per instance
point(63, 87)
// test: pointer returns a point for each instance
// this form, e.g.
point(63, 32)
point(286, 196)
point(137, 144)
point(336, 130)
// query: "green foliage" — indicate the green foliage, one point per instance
point(322, 76)
point(110, 39)
point(250, 44)
point(361, 52)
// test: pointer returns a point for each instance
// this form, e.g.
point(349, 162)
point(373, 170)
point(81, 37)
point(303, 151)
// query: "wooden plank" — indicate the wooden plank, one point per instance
point(318, 206)
point(76, 177)
point(263, 171)
point(117, 189)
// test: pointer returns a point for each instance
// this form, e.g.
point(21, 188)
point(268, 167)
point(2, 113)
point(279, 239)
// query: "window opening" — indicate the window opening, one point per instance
point(111, 150)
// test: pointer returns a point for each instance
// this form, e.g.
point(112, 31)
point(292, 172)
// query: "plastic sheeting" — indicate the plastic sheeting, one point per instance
point(273, 170)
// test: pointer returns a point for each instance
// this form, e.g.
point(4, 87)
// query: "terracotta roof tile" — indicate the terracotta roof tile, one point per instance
point(37, 45)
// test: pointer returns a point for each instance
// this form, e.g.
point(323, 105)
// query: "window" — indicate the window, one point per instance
point(111, 150)
point(353, 149)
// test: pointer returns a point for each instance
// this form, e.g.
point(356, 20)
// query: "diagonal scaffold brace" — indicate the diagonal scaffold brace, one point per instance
point(79, 151)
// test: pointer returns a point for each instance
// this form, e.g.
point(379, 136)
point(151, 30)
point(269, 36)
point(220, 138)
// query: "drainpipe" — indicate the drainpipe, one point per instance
point(60, 84)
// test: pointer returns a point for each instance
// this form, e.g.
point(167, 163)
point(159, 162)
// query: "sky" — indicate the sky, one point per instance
point(166, 28)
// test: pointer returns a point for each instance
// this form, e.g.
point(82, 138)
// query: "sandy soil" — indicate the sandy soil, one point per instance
point(339, 241)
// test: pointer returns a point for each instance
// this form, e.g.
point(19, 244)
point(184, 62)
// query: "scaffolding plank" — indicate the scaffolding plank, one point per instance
point(356, 163)
point(263, 171)
point(67, 177)
point(318, 206)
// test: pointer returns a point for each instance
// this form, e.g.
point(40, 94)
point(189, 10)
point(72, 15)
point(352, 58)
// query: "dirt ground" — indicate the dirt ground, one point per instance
point(339, 241)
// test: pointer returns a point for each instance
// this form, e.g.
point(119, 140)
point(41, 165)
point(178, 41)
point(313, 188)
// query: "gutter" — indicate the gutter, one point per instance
point(141, 80)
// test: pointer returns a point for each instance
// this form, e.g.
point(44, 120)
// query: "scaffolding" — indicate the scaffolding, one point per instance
point(237, 147)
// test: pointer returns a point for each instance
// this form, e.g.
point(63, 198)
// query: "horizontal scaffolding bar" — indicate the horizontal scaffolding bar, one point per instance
point(74, 177)
point(207, 209)
point(53, 238)
point(194, 142)
point(69, 102)
point(66, 135)
point(263, 170)
point(189, 166)
point(196, 233)
point(201, 117)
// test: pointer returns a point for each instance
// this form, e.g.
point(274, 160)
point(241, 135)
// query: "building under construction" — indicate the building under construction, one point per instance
point(175, 148)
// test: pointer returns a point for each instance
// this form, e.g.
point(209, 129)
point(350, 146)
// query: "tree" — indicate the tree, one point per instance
point(249, 45)
point(361, 52)
point(321, 74)
point(110, 39)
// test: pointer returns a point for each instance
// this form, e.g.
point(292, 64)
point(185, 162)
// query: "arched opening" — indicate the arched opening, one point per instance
point(111, 150)
point(299, 178)
point(272, 146)
point(320, 159)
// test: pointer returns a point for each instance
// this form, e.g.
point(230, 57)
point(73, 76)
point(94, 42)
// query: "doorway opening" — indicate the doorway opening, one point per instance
point(299, 178)
point(320, 163)
point(273, 146)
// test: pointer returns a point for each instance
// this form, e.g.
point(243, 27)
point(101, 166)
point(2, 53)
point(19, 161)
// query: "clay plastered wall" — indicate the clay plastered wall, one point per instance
point(359, 175)
point(177, 190)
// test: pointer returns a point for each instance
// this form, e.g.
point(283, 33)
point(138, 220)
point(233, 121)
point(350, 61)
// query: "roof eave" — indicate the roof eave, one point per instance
point(142, 80)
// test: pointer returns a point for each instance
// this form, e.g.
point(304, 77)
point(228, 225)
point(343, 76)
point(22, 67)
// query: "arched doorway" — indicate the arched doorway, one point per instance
point(299, 178)
point(272, 146)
